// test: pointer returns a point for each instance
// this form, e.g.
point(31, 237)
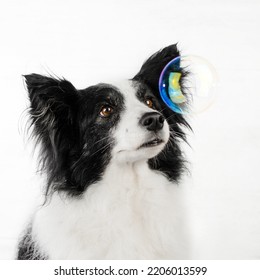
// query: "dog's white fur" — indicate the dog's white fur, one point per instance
point(132, 213)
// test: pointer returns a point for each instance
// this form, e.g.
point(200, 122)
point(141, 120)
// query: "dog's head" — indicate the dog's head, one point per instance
point(82, 131)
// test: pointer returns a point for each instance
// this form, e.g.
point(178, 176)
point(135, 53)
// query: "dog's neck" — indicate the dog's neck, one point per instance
point(129, 175)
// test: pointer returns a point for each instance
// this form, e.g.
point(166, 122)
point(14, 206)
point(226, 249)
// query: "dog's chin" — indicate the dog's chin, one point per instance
point(145, 151)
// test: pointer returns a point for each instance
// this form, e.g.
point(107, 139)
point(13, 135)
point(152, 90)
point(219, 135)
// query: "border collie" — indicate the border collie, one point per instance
point(112, 159)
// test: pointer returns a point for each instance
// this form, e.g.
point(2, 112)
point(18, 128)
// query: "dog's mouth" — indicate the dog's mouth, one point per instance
point(154, 142)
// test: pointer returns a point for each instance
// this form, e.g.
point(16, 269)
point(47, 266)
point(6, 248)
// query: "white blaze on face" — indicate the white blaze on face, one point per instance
point(129, 135)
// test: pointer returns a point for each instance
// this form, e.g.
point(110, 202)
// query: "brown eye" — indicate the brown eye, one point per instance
point(149, 103)
point(106, 111)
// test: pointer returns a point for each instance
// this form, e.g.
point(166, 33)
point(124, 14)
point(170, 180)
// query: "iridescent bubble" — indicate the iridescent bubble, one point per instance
point(188, 84)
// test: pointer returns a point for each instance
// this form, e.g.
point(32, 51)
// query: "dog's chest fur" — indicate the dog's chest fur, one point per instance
point(133, 213)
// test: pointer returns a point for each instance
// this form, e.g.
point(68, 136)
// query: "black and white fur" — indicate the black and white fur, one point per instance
point(111, 188)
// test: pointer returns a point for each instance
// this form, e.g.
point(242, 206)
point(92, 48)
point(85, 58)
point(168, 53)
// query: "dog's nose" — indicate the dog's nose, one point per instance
point(152, 121)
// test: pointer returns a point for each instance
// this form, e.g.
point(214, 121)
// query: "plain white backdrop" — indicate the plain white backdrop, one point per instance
point(92, 41)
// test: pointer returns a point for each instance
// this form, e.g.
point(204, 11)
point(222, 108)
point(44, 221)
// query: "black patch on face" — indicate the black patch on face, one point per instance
point(75, 139)
point(143, 93)
point(95, 140)
point(170, 161)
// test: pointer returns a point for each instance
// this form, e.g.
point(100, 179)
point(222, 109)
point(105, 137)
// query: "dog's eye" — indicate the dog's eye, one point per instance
point(149, 103)
point(106, 111)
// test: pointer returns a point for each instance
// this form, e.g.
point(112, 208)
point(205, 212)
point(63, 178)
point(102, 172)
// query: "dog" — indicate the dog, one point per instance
point(113, 162)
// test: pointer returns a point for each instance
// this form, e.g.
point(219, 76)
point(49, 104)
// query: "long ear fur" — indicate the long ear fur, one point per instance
point(153, 66)
point(170, 160)
point(52, 111)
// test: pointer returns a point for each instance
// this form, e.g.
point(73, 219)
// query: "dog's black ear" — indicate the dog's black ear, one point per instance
point(53, 104)
point(52, 101)
point(153, 66)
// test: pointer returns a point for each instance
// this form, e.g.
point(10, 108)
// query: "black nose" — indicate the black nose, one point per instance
point(152, 121)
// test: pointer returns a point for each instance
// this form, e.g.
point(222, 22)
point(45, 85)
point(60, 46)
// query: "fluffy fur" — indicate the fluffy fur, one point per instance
point(112, 158)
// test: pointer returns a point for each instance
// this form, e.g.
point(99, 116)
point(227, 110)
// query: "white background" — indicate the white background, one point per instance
point(92, 41)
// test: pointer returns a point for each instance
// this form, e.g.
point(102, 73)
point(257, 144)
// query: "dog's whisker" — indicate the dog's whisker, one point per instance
point(104, 138)
point(103, 148)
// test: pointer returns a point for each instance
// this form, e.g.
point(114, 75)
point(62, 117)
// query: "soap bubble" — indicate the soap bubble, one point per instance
point(188, 84)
